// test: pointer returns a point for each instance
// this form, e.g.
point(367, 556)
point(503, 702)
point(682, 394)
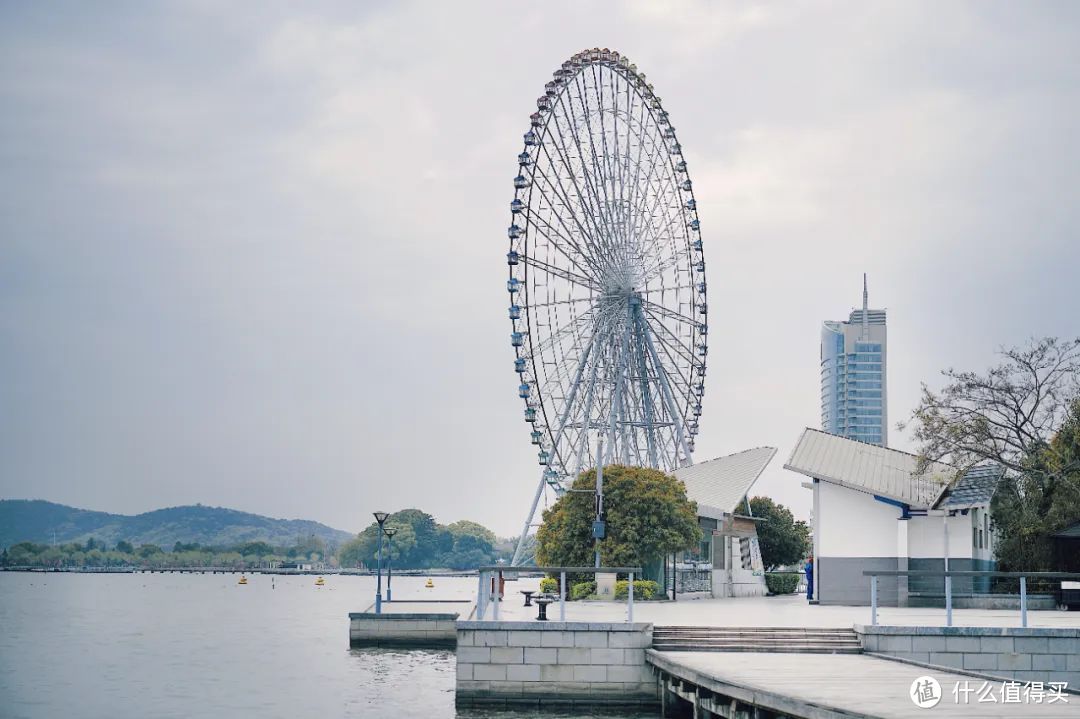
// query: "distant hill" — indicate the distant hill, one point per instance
point(23, 520)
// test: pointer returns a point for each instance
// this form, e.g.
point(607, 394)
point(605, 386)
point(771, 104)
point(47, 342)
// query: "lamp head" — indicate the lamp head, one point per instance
point(380, 517)
point(390, 531)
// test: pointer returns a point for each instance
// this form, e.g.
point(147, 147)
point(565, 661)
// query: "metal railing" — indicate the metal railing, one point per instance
point(948, 575)
point(485, 595)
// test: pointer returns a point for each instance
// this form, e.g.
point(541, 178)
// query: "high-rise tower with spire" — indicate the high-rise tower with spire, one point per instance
point(854, 399)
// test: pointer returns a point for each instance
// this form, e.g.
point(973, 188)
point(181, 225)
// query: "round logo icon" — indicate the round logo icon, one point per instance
point(925, 692)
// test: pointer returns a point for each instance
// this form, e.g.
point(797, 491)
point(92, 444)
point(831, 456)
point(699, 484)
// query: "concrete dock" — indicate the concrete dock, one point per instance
point(846, 686)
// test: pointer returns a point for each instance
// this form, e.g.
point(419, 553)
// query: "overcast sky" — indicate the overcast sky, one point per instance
point(253, 254)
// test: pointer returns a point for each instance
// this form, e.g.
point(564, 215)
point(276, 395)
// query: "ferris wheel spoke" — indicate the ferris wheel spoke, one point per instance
point(588, 202)
point(563, 194)
point(603, 204)
point(668, 201)
point(660, 310)
point(685, 386)
point(590, 199)
point(580, 280)
point(658, 158)
point(675, 351)
point(563, 244)
point(549, 341)
point(611, 158)
point(669, 288)
point(575, 300)
point(666, 392)
point(557, 444)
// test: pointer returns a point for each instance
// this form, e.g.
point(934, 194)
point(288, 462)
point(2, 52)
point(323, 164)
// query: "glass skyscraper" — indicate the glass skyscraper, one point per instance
point(854, 401)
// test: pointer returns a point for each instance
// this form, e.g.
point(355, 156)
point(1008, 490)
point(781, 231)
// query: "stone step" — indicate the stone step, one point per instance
point(757, 638)
point(752, 633)
point(755, 630)
point(802, 649)
point(794, 640)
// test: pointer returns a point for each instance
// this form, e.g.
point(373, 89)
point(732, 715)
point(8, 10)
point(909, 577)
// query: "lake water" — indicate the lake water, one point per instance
point(200, 645)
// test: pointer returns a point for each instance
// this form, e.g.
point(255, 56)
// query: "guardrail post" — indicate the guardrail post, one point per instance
point(873, 600)
point(630, 600)
point(1023, 601)
point(562, 596)
point(481, 605)
point(948, 601)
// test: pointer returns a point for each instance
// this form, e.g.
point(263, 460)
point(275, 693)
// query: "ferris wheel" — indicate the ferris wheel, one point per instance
point(606, 278)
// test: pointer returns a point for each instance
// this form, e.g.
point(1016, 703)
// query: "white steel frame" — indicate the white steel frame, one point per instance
point(607, 271)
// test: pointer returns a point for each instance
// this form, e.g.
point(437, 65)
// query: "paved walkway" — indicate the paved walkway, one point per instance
point(844, 685)
point(786, 611)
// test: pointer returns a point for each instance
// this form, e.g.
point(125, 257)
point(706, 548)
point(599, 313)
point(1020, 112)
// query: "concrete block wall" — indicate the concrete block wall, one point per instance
point(540, 663)
point(367, 629)
point(1032, 654)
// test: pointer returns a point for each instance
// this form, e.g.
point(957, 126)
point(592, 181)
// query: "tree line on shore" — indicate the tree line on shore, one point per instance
point(419, 543)
point(96, 553)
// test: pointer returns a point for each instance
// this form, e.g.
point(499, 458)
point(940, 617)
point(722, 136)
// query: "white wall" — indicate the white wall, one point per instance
point(854, 524)
point(926, 537)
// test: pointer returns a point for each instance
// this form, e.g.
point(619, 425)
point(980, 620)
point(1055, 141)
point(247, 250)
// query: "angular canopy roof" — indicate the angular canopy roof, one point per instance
point(973, 488)
point(868, 468)
point(718, 485)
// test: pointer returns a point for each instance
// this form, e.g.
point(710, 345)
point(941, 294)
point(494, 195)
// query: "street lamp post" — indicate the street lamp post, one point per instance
point(389, 532)
point(380, 517)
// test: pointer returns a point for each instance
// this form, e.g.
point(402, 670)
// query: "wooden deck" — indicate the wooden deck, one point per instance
point(842, 686)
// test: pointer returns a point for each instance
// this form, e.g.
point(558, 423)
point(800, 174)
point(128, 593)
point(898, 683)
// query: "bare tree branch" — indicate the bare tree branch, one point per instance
point(1007, 415)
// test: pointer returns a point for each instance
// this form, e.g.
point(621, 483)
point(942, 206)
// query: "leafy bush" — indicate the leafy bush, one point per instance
point(643, 589)
point(582, 590)
point(781, 582)
point(549, 585)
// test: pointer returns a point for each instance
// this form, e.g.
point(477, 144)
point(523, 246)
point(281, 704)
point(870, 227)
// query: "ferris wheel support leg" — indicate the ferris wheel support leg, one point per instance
point(528, 523)
point(669, 399)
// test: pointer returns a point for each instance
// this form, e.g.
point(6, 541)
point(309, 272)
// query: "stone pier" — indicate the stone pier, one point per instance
point(549, 663)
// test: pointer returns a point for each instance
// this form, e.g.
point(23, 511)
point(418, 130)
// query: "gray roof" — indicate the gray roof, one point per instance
point(868, 468)
point(973, 488)
point(718, 485)
point(1070, 532)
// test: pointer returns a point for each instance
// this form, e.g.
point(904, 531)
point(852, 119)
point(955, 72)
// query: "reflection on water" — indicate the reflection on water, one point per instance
point(172, 645)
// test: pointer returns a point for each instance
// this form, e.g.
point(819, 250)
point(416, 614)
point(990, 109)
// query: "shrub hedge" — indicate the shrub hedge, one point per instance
point(643, 589)
point(582, 590)
point(781, 582)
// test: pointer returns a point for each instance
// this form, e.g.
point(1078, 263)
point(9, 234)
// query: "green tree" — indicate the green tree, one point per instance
point(648, 516)
point(466, 527)
point(124, 546)
point(148, 550)
point(783, 539)
point(1039, 502)
point(258, 549)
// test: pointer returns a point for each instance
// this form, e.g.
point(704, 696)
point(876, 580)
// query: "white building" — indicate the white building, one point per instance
point(854, 362)
point(728, 564)
point(872, 511)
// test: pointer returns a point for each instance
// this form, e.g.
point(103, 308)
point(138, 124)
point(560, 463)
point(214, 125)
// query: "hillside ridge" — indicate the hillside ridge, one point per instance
point(41, 521)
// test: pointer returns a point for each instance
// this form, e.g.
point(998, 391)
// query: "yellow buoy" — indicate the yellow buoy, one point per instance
point(243, 580)
point(429, 584)
point(319, 582)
